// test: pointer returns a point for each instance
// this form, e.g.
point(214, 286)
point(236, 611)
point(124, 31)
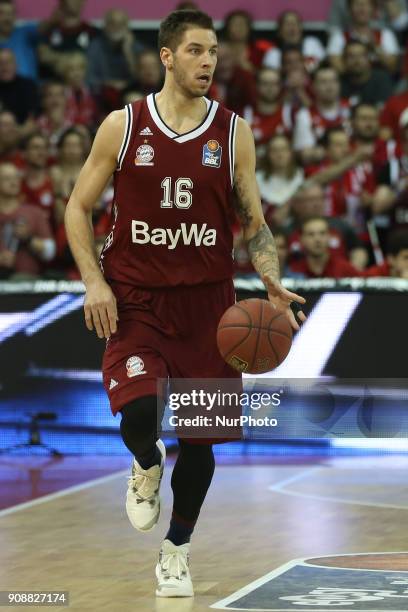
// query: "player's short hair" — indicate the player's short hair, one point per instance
point(397, 241)
point(311, 219)
point(9, 2)
point(173, 27)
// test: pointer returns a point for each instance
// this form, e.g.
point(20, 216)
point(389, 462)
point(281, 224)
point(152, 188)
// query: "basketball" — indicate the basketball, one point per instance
point(253, 336)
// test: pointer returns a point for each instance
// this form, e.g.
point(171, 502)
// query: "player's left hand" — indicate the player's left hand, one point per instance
point(282, 298)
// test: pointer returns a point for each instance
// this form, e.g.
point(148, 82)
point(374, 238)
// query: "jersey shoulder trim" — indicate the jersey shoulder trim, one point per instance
point(231, 145)
point(126, 135)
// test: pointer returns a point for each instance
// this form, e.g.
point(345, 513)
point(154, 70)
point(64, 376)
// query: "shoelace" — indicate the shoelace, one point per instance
point(174, 565)
point(137, 481)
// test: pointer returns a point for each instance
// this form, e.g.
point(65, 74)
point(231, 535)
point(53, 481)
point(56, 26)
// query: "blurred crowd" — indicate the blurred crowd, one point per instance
point(329, 114)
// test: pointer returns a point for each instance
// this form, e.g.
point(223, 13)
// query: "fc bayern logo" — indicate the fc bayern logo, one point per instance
point(135, 366)
point(144, 155)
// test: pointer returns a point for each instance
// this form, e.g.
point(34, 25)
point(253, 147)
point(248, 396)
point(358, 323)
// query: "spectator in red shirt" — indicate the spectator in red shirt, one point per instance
point(328, 110)
point(65, 32)
point(391, 115)
point(365, 123)
point(37, 188)
point(248, 50)
point(80, 106)
point(396, 264)
point(318, 260)
point(232, 85)
point(26, 241)
point(269, 116)
point(10, 140)
point(290, 33)
point(347, 177)
point(391, 199)
point(309, 202)
point(382, 43)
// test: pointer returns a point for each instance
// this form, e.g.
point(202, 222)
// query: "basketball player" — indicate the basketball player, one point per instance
point(164, 278)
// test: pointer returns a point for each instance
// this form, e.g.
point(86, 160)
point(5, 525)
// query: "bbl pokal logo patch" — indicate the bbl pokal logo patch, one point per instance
point(212, 153)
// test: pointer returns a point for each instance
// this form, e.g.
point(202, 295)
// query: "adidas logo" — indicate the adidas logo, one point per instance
point(113, 383)
point(146, 132)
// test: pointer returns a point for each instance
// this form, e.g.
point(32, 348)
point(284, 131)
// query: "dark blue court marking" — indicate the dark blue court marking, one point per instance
point(306, 587)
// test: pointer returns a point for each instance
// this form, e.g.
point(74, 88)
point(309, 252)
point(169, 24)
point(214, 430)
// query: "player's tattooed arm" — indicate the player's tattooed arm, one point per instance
point(261, 245)
point(264, 257)
point(256, 233)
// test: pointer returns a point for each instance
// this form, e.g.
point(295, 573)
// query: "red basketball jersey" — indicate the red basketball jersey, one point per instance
point(172, 210)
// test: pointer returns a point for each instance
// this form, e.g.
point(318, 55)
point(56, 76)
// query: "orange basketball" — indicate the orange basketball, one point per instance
point(253, 336)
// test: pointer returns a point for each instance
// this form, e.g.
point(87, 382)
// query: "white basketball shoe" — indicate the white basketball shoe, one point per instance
point(143, 499)
point(172, 571)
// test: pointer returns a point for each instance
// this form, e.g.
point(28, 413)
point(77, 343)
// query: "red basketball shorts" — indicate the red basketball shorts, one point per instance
point(165, 333)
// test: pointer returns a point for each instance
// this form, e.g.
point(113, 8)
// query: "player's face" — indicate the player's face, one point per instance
point(327, 86)
point(338, 146)
point(399, 264)
point(194, 61)
point(315, 238)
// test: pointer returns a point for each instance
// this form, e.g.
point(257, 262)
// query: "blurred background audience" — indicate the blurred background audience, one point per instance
point(327, 104)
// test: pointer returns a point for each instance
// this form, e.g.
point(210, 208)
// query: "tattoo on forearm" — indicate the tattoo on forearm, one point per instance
point(242, 201)
point(263, 253)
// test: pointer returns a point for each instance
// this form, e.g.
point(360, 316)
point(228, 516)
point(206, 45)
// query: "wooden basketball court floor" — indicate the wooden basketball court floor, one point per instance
point(255, 519)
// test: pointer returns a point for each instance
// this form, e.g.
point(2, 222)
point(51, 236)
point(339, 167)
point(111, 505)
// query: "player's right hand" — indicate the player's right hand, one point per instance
point(100, 309)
